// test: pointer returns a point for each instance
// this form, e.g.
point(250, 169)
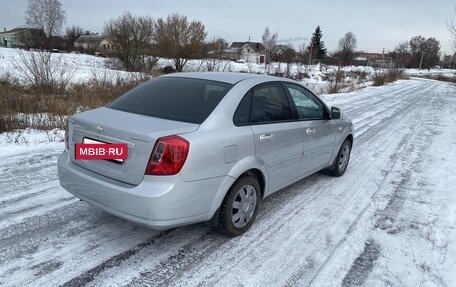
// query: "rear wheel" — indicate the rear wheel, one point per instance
point(340, 163)
point(240, 206)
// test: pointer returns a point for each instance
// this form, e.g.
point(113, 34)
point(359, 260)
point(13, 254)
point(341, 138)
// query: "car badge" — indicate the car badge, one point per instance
point(99, 128)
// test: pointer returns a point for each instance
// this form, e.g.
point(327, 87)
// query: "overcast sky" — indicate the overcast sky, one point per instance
point(377, 24)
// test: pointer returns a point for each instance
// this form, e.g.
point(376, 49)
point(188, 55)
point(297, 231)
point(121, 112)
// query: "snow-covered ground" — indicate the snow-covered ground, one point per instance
point(431, 72)
point(389, 221)
point(84, 67)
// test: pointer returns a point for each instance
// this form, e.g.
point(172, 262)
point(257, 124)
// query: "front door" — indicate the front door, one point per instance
point(319, 132)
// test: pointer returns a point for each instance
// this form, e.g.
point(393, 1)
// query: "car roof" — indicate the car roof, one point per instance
point(227, 77)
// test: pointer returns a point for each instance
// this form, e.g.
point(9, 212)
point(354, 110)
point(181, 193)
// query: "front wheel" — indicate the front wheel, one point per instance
point(340, 163)
point(240, 206)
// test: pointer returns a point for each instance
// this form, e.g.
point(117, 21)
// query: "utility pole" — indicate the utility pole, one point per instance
point(421, 61)
point(310, 54)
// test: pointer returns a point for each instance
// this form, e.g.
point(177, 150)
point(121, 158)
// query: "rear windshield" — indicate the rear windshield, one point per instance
point(179, 99)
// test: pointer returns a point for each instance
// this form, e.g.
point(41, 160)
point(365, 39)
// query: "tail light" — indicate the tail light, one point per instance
point(168, 156)
point(67, 146)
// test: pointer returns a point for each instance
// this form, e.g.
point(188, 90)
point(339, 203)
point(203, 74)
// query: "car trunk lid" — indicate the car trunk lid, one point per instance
point(139, 132)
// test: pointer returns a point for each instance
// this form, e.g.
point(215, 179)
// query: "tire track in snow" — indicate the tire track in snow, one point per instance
point(405, 160)
point(30, 188)
point(297, 276)
point(116, 260)
point(363, 265)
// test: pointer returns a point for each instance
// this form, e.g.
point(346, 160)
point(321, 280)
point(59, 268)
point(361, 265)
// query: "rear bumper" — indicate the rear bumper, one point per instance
point(159, 202)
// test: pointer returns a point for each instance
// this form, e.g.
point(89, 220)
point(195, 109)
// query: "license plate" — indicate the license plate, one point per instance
point(91, 149)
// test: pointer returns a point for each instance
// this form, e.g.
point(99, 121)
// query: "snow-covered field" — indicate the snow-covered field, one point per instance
point(84, 67)
point(431, 72)
point(389, 221)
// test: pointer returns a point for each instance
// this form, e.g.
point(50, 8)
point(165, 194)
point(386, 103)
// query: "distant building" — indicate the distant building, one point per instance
point(95, 43)
point(250, 52)
point(373, 59)
point(88, 42)
point(22, 38)
point(369, 56)
point(107, 45)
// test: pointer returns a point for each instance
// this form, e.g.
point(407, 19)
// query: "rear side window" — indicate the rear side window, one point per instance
point(242, 115)
point(180, 99)
point(269, 104)
point(266, 103)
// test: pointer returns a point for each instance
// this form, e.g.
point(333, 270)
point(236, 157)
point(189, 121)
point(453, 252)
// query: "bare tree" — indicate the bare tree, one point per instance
point(132, 38)
point(47, 15)
point(45, 71)
point(452, 28)
point(215, 48)
point(302, 53)
point(270, 44)
point(288, 55)
point(179, 39)
point(347, 48)
point(33, 38)
point(424, 52)
point(401, 55)
point(72, 33)
point(214, 54)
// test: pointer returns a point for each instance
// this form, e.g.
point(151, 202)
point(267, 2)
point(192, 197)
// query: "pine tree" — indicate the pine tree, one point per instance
point(316, 49)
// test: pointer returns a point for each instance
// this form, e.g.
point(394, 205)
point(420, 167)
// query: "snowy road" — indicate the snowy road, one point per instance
point(389, 220)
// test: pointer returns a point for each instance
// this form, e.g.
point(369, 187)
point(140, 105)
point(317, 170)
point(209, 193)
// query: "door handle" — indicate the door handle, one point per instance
point(266, 137)
point(310, 131)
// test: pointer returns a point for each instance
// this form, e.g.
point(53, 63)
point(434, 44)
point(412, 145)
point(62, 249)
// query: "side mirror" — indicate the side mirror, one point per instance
point(335, 113)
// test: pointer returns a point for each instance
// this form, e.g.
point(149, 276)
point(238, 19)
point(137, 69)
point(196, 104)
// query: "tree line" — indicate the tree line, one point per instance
point(139, 41)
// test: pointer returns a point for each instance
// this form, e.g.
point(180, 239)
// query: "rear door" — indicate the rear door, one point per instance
point(278, 137)
point(319, 131)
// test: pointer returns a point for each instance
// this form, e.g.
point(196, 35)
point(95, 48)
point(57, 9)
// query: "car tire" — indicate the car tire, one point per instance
point(240, 206)
point(339, 166)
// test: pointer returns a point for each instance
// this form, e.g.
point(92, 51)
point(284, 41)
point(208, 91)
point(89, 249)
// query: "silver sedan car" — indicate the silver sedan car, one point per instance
point(204, 147)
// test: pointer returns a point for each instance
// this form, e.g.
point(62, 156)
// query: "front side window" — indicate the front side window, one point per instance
point(307, 105)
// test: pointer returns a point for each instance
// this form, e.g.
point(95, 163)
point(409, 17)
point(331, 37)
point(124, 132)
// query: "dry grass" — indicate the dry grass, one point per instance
point(382, 77)
point(24, 106)
point(335, 82)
